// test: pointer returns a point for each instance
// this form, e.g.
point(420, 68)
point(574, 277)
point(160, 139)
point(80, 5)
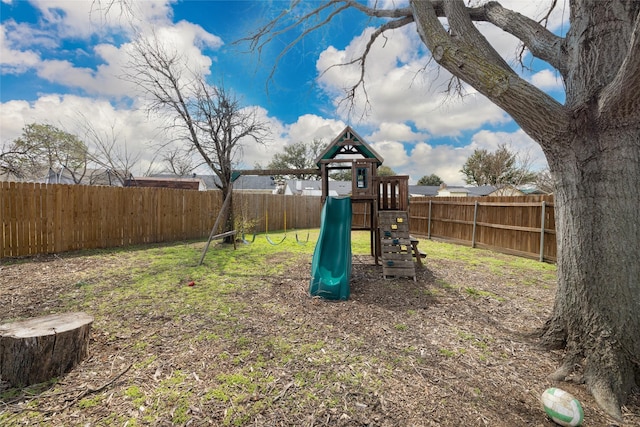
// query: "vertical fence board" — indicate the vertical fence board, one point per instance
point(23, 220)
point(3, 237)
point(10, 244)
point(4, 246)
point(34, 221)
point(37, 220)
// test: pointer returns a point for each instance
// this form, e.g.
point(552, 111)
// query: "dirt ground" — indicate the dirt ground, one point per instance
point(450, 349)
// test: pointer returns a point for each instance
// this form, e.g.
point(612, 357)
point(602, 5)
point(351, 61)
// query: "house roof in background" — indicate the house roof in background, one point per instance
point(341, 187)
point(246, 182)
point(531, 190)
point(211, 182)
point(424, 190)
point(166, 182)
point(483, 190)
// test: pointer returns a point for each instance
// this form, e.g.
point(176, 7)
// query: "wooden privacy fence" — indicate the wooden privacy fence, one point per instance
point(268, 212)
point(40, 218)
point(523, 226)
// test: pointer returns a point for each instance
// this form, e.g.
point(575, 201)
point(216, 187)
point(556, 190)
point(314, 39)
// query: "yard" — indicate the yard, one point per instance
point(246, 345)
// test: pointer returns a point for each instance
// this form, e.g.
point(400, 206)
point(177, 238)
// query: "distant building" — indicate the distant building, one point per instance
point(299, 187)
point(244, 183)
point(423, 190)
point(507, 190)
point(519, 190)
point(453, 191)
point(166, 182)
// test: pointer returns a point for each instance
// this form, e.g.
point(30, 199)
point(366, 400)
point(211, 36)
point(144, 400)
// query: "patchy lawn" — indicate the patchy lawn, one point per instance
point(246, 345)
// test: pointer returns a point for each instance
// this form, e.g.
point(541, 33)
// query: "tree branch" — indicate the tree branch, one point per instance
point(620, 96)
point(542, 117)
point(542, 43)
point(268, 33)
point(271, 31)
point(391, 25)
point(461, 27)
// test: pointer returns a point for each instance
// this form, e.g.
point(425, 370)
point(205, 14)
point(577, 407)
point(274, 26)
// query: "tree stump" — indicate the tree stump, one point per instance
point(36, 350)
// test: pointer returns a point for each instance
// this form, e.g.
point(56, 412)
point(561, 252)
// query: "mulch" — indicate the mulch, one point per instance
point(453, 348)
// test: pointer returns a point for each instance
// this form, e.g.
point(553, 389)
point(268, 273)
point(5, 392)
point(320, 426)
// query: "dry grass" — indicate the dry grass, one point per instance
point(246, 346)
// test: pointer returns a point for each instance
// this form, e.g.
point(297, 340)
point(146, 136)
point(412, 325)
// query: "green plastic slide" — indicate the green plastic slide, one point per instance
point(331, 263)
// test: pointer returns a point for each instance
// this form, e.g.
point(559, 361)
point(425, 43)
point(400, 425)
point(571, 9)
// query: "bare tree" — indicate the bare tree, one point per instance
point(177, 162)
point(592, 145)
point(206, 121)
point(107, 150)
point(544, 181)
point(9, 159)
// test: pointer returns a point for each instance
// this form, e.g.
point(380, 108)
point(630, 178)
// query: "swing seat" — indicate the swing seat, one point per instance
point(275, 243)
point(301, 242)
point(246, 241)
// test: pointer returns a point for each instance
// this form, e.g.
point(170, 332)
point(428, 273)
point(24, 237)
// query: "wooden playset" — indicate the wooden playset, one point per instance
point(386, 200)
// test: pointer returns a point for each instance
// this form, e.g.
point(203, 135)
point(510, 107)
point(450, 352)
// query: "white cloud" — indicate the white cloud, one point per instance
point(142, 133)
point(186, 38)
point(396, 131)
point(83, 18)
point(393, 153)
point(537, 9)
point(253, 153)
point(411, 113)
point(442, 160)
point(309, 127)
point(418, 159)
point(400, 89)
point(14, 61)
point(25, 36)
point(387, 4)
point(547, 80)
point(37, 47)
point(134, 128)
point(412, 116)
point(517, 142)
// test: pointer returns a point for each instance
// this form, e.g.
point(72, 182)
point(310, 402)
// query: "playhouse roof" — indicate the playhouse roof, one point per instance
point(350, 143)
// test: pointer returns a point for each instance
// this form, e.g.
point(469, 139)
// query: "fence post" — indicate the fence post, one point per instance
point(544, 205)
point(475, 220)
point(429, 222)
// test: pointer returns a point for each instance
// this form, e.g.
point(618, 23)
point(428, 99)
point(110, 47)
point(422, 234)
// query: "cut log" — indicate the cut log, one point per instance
point(36, 350)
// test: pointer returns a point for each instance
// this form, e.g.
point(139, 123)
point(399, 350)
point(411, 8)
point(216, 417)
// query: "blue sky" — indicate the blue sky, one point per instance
point(61, 63)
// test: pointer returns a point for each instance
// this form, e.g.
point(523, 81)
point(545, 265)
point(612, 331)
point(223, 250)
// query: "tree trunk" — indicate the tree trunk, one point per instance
point(36, 350)
point(597, 308)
